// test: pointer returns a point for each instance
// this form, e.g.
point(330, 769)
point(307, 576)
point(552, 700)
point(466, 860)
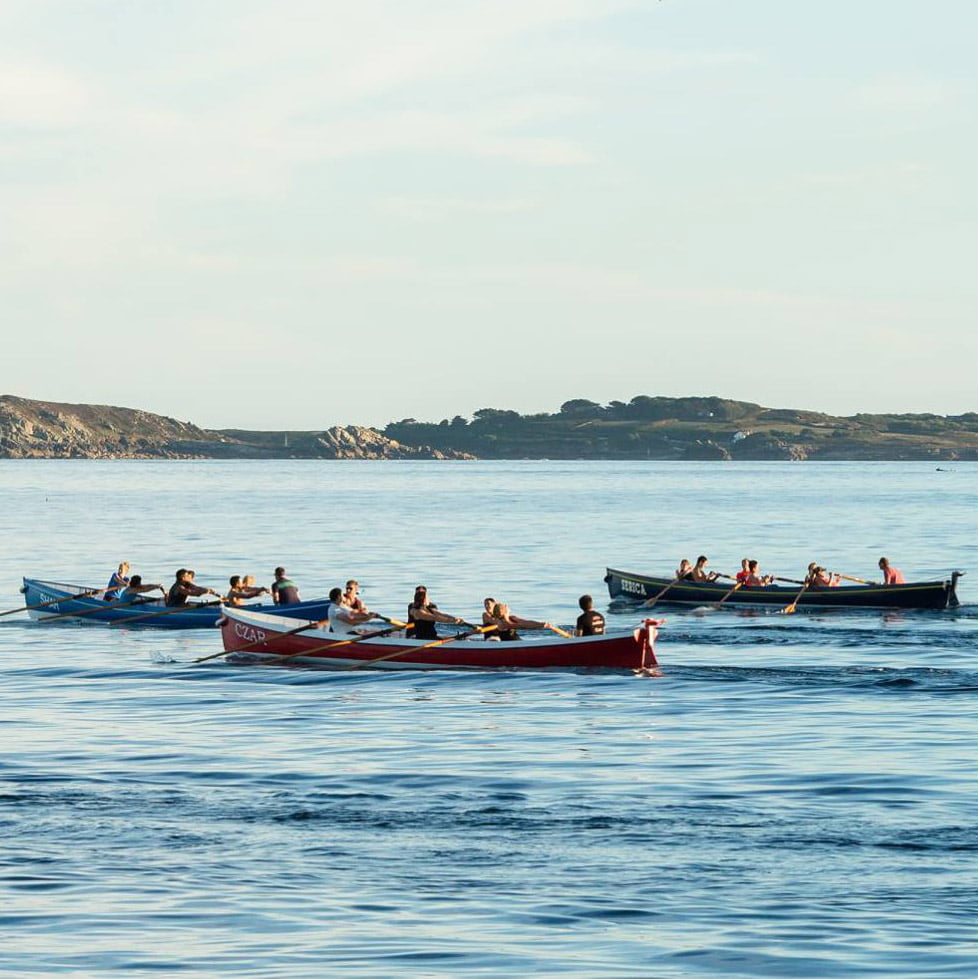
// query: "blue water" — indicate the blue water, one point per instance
point(794, 796)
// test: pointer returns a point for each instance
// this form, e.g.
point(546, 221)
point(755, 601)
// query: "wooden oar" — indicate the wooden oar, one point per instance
point(89, 611)
point(259, 642)
point(789, 609)
point(790, 581)
point(336, 642)
point(417, 649)
point(849, 577)
point(167, 611)
point(651, 601)
point(560, 632)
point(729, 593)
point(57, 601)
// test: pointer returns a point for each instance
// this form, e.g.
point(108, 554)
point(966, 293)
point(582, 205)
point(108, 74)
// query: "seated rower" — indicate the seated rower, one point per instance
point(284, 590)
point(425, 614)
point(344, 620)
point(754, 577)
point(744, 573)
point(488, 604)
point(184, 588)
point(699, 571)
point(589, 622)
point(507, 624)
point(351, 596)
point(820, 578)
point(135, 588)
point(241, 592)
point(685, 570)
point(891, 575)
point(117, 582)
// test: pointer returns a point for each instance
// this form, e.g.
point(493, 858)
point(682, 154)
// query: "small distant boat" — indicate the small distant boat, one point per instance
point(72, 600)
point(265, 637)
point(913, 595)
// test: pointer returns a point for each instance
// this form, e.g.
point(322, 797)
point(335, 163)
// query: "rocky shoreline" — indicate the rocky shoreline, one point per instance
point(681, 429)
point(50, 430)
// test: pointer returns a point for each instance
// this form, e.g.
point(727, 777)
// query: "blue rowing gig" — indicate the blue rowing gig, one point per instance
point(939, 594)
point(76, 605)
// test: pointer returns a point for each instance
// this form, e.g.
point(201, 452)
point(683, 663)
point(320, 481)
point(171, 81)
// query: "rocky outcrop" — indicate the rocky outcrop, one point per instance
point(760, 447)
point(49, 430)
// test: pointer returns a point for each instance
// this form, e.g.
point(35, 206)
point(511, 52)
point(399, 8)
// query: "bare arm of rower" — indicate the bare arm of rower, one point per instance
point(433, 615)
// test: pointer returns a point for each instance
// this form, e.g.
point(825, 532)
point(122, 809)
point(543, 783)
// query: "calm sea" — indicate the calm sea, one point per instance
point(794, 796)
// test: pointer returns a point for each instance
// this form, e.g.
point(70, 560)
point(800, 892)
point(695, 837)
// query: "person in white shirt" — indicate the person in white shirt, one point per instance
point(342, 619)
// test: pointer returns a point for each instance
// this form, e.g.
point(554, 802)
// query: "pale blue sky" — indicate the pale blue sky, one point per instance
point(312, 213)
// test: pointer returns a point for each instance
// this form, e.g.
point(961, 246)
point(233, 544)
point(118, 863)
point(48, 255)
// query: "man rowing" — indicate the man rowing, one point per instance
point(284, 590)
point(118, 581)
point(184, 588)
point(699, 570)
point(130, 594)
point(342, 619)
point(589, 622)
point(891, 575)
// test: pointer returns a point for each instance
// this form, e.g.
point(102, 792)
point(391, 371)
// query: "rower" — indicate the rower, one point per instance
point(507, 624)
point(589, 622)
point(744, 573)
point(700, 573)
point(754, 578)
point(184, 588)
point(284, 590)
point(820, 578)
point(351, 596)
point(117, 582)
point(135, 588)
point(891, 575)
point(341, 618)
point(425, 614)
point(241, 591)
point(685, 570)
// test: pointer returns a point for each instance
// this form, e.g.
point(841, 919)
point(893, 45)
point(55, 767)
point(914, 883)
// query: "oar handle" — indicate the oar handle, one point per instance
point(560, 632)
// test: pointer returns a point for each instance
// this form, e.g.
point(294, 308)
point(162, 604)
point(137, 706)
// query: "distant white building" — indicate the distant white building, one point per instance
point(740, 436)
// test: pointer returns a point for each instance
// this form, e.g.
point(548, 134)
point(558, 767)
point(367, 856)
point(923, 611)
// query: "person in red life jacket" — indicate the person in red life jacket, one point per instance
point(117, 582)
point(754, 577)
point(744, 573)
point(589, 622)
point(284, 590)
point(184, 588)
point(425, 614)
point(891, 575)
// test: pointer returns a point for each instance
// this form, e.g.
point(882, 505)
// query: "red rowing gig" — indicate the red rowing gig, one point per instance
point(265, 638)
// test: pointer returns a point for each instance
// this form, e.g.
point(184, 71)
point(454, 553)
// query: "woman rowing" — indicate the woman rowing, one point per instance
point(118, 581)
point(424, 614)
point(507, 624)
point(685, 570)
point(818, 577)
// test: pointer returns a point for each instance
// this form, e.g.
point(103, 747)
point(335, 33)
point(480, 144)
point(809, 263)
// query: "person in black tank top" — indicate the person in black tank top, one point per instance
point(507, 624)
point(425, 614)
point(589, 622)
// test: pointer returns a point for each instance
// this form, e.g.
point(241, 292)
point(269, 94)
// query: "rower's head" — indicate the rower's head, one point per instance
point(812, 567)
point(488, 603)
point(181, 574)
point(335, 594)
point(234, 580)
point(684, 564)
point(500, 611)
point(248, 580)
point(702, 561)
point(123, 567)
point(752, 565)
point(884, 564)
point(420, 595)
point(136, 580)
point(586, 602)
point(279, 574)
point(352, 586)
